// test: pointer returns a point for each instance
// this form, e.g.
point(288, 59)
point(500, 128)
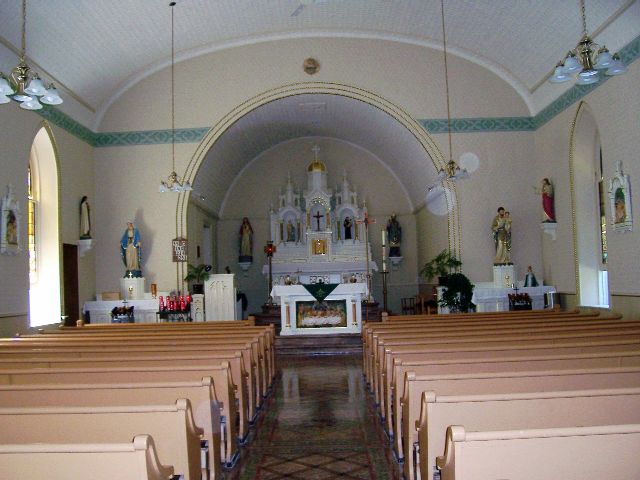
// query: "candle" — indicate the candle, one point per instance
point(384, 237)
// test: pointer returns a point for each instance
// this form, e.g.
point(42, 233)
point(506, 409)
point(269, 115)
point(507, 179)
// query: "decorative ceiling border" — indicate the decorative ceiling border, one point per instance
point(629, 54)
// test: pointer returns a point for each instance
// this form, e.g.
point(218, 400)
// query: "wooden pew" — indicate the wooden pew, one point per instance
point(503, 382)
point(383, 363)
point(517, 360)
point(519, 411)
point(201, 395)
point(176, 437)
point(400, 360)
point(121, 357)
point(484, 315)
point(207, 341)
point(567, 453)
point(133, 374)
point(136, 460)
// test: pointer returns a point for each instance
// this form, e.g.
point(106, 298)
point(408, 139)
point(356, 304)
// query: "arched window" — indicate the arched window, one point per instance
point(43, 232)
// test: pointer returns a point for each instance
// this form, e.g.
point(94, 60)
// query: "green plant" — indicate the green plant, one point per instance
point(457, 293)
point(197, 274)
point(441, 265)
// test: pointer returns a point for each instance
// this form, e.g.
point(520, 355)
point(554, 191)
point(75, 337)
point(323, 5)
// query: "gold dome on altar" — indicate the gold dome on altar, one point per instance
point(317, 166)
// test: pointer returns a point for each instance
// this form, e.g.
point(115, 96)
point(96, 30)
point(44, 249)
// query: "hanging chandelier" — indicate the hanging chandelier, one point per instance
point(173, 182)
point(587, 60)
point(23, 85)
point(451, 171)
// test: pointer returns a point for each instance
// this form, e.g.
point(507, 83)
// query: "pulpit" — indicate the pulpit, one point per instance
point(303, 314)
point(220, 297)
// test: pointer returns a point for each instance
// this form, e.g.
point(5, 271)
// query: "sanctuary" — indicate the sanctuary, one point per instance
point(321, 239)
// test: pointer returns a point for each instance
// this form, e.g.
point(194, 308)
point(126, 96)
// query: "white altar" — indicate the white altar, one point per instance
point(343, 315)
point(319, 232)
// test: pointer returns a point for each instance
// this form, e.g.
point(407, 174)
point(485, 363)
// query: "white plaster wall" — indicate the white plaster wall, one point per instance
point(18, 130)
point(615, 106)
point(259, 184)
point(410, 76)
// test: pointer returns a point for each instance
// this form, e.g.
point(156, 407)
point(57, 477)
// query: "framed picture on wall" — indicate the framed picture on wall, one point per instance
point(10, 227)
point(620, 199)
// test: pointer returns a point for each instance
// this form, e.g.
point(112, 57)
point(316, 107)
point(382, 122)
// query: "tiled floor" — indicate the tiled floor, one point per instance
point(319, 424)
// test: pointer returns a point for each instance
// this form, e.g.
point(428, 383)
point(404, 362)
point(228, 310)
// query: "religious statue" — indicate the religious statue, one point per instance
point(348, 223)
point(394, 234)
point(246, 241)
point(85, 219)
point(130, 250)
point(501, 228)
point(530, 279)
point(291, 232)
point(547, 201)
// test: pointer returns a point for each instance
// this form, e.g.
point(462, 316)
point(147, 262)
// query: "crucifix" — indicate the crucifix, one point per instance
point(317, 216)
point(366, 221)
point(315, 150)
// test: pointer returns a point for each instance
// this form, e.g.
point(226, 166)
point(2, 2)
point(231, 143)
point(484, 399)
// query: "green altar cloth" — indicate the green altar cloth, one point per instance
point(320, 291)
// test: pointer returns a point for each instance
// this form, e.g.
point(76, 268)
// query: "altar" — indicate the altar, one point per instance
point(302, 314)
point(489, 298)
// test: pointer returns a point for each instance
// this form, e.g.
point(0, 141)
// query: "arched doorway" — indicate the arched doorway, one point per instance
point(589, 228)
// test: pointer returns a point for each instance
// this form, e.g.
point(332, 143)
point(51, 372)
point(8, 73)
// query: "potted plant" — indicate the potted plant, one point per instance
point(456, 295)
point(440, 266)
point(197, 276)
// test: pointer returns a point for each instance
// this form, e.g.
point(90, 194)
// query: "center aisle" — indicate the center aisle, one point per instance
point(320, 424)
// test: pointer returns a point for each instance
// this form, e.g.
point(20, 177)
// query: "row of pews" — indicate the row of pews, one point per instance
point(138, 401)
point(527, 394)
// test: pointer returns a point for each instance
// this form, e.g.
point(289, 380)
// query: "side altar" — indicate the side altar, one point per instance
point(339, 312)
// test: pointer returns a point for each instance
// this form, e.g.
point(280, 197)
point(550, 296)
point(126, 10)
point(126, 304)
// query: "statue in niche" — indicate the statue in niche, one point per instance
point(85, 219)
point(394, 234)
point(131, 250)
point(501, 228)
point(291, 232)
point(348, 223)
point(246, 241)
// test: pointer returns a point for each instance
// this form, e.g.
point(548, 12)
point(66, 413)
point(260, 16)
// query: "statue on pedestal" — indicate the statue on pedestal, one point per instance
point(130, 250)
point(547, 201)
point(501, 228)
point(85, 219)
point(348, 223)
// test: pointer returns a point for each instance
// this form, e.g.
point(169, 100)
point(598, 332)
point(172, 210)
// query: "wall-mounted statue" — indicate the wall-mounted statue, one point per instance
point(548, 209)
point(501, 228)
point(85, 219)
point(131, 251)
point(246, 241)
point(394, 234)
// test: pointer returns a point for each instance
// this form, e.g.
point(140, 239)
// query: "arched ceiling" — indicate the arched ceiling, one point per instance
point(98, 49)
point(315, 115)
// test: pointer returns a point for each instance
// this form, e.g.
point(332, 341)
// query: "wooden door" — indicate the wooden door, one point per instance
point(70, 283)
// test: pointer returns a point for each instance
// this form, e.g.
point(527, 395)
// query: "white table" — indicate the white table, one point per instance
point(290, 295)
point(144, 311)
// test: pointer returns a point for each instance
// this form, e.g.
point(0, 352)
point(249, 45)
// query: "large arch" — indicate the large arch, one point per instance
point(432, 152)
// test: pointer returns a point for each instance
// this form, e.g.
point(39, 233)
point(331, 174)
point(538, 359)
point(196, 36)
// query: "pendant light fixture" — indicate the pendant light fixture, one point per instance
point(451, 171)
point(23, 85)
point(587, 60)
point(173, 182)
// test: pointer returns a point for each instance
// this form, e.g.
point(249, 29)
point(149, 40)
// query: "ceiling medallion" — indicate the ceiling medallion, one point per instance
point(311, 66)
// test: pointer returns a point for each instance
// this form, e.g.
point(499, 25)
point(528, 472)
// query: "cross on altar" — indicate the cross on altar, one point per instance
point(317, 216)
point(366, 221)
point(316, 150)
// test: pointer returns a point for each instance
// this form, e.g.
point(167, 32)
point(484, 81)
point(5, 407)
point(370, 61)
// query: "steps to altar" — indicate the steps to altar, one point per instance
point(347, 343)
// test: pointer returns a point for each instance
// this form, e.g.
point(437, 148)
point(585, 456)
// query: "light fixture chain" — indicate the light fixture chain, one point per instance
point(173, 100)
point(446, 79)
point(23, 50)
point(584, 17)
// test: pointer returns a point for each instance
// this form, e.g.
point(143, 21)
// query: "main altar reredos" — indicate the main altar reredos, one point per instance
point(321, 236)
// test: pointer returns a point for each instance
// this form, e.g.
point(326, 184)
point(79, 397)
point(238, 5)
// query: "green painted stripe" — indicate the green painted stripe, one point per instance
point(628, 54)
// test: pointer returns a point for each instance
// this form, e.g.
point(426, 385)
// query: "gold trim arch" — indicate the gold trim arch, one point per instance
point(431, 149)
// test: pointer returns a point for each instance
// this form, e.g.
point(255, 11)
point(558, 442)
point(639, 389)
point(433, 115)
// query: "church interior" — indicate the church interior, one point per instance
point(305, 163)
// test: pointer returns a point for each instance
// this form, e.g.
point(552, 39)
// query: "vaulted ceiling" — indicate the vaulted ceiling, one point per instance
point(96, 49)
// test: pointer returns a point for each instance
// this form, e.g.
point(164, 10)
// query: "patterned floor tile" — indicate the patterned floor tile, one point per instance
point(318, 424)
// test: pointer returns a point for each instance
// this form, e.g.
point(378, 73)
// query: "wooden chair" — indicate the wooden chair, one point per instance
point(408, 306)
